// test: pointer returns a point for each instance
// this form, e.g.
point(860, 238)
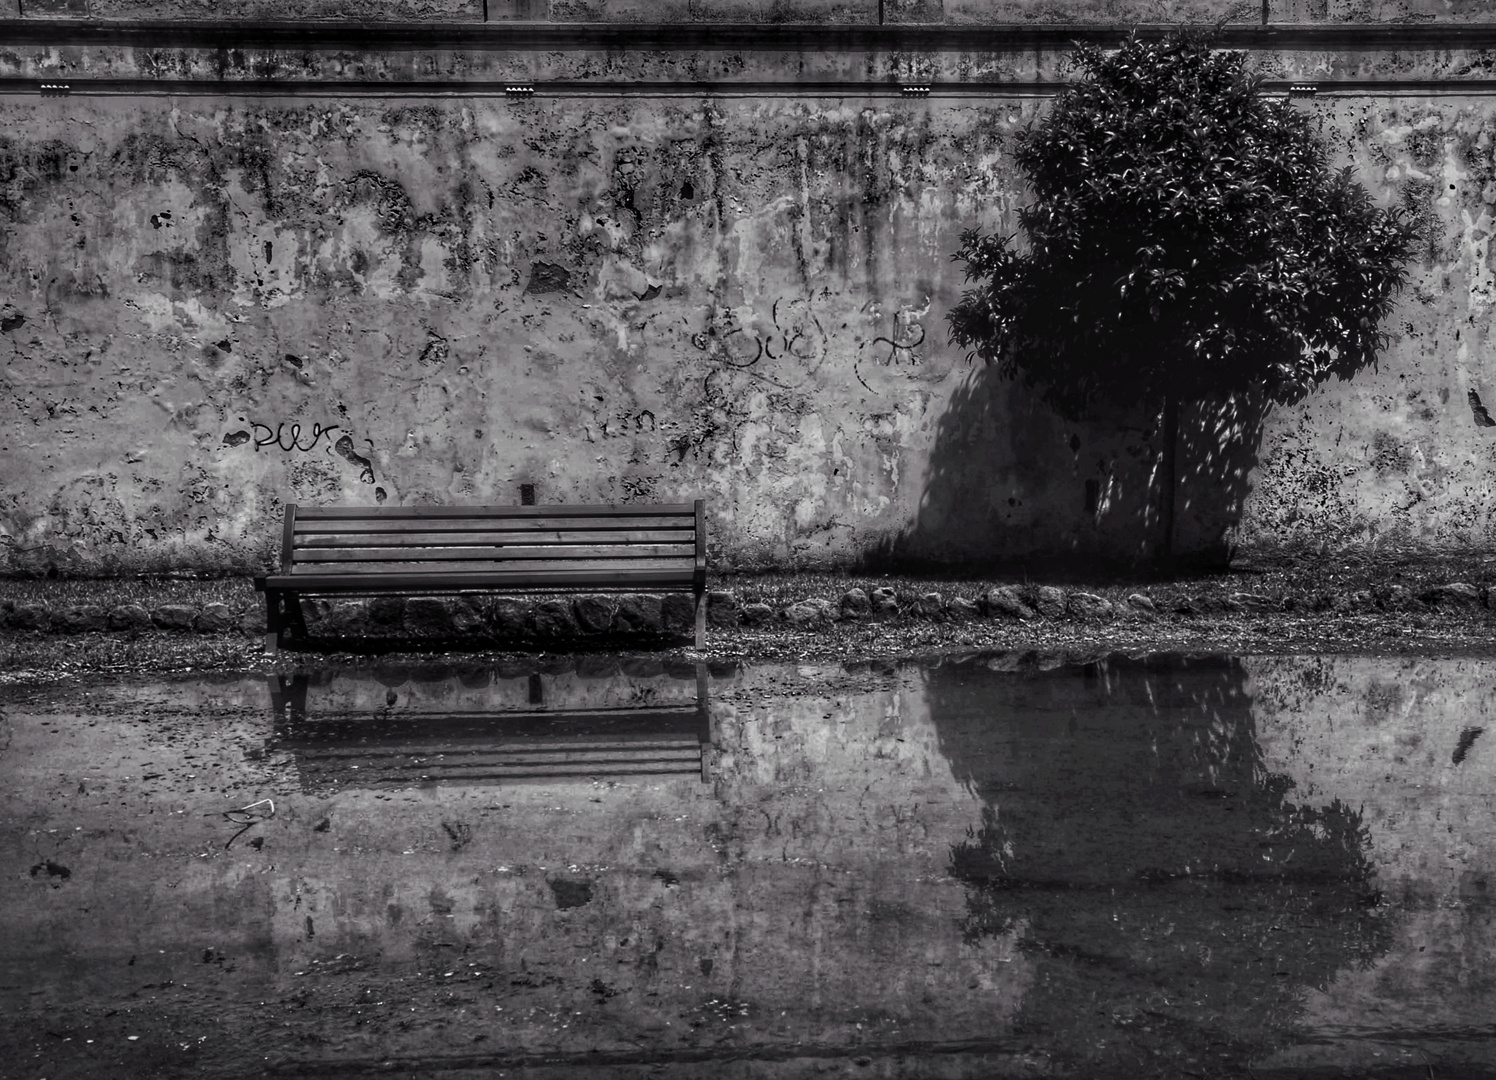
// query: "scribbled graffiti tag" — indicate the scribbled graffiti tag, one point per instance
point(797, 333)
point(899, 348)
point(289, 436)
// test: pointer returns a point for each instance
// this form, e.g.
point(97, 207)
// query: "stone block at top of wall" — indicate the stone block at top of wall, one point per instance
point(1378, 11)
point(47, 9)
point(1058, 11)
point(682, 11)
point(259, 10)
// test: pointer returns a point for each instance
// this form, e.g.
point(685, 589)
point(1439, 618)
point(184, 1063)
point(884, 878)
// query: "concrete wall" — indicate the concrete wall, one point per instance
point(215, 303)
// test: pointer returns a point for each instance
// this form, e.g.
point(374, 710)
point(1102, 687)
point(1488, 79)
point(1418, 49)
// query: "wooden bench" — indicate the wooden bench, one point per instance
point(425, 550)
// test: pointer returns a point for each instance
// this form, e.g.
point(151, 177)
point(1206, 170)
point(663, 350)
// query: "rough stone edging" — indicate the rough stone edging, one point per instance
point(587, 615)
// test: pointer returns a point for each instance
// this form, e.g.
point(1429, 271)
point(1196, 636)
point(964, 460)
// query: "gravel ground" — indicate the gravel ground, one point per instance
point(1325, 605)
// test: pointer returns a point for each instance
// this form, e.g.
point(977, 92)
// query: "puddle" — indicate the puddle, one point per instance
point(991, 865)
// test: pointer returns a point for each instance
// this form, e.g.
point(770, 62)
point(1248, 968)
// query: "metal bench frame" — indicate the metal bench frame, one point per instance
point(551, 537)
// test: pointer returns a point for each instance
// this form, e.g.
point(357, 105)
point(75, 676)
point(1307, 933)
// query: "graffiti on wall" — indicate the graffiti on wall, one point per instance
point(795, 333)
point(290, 437)
point(899, 346)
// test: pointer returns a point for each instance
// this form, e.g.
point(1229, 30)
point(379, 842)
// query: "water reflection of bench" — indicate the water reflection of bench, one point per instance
point(379, 748)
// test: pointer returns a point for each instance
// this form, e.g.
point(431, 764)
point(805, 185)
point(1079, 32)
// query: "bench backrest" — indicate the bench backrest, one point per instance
point(325, 540)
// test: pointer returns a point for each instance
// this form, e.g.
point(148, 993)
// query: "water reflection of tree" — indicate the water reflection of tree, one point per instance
point(1177, 900)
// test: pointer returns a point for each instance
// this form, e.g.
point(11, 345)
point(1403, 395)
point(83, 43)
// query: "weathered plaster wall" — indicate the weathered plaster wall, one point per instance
point(736, 11)
point(1400, 456)
point(221, 305)
point(214, 304)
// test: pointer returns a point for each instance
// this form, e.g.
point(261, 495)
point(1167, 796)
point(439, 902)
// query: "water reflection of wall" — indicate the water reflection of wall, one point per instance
point(803, 893)
point(1407, 742)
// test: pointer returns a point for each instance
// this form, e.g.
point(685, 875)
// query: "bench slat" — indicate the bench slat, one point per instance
point(442, 568)
point(506, 755)
point(416, 745)
point(608, 723)
point(374, 513)
point(680, 538)
point(359, 526)
point(486, 774)
point(682, 766)
point(556, 553)
point(514, 580)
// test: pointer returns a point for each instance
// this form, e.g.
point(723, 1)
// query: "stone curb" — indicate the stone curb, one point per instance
point(595, 614)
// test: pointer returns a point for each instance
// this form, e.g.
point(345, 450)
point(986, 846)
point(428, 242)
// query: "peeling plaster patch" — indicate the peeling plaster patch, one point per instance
point(192, 313)
point(157, 312)
point(434, 279)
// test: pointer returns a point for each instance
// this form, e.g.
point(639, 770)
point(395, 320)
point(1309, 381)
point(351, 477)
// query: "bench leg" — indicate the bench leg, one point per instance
point(295, 620)
point(272, 620)
point(701, 620)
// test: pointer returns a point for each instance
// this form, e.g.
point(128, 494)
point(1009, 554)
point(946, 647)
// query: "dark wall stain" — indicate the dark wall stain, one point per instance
point(52, 869)
point(1482, 418)
point(1467, 740)
point(548, 277)
point(570, 894)
point(344, 449)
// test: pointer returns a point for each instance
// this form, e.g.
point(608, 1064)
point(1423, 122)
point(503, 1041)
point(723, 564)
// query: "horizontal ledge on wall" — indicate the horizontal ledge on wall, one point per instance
point(530, 92)
point(966, 38)
point(635, 89)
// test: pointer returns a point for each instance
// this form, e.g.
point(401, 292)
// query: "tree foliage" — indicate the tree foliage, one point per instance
point(1187, 238)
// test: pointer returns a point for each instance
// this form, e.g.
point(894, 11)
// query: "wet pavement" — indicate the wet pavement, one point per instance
point(991, 865)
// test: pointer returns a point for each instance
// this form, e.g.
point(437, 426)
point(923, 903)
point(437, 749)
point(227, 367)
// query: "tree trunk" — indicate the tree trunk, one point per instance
point(1169, 468)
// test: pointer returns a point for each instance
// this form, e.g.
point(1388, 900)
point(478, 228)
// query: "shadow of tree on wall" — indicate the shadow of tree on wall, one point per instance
point(1175, 901)
point(1010, 483)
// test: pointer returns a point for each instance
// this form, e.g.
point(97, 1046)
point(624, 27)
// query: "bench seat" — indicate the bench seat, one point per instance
point(425, 550)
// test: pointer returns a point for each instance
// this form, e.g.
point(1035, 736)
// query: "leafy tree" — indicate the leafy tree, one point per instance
point(1187, 242)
